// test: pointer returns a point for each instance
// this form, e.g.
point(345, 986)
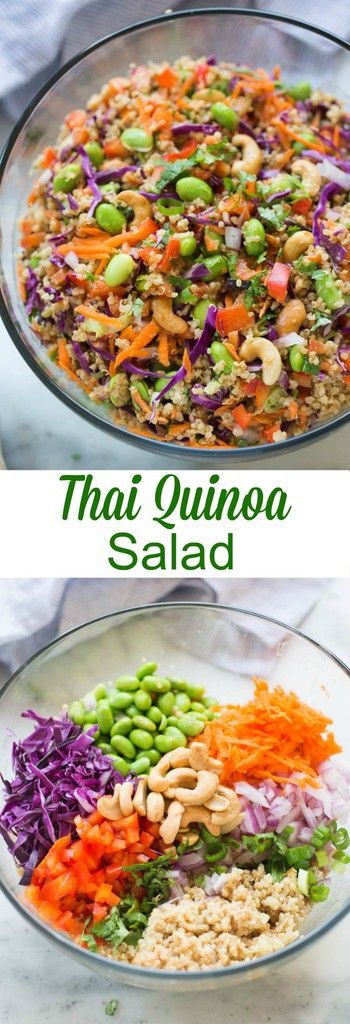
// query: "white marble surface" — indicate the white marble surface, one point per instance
point(40, 985)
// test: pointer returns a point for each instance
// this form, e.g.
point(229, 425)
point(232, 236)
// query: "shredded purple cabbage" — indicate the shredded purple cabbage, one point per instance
point(153, 196)
point(279, 195)
point(131, 368)
point(81, 357)
point(72, 202)
point(335, 250)
point(187, 126)
point(112, 173)
point(33, 298)
point(245, 127)
point(58, 773)
point(90, 175)
point(200, 348)
point(207, 401)
point(211, 60)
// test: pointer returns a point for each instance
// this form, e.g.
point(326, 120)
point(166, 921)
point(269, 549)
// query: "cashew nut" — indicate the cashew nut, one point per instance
point(209, 94)
point(202, 815)
point(163, 314)
point(262, 348)
point(199, 758)
point(206, 787)
point(178, 758)
point(155, 807)
point(125, 799)
point(171, 824)
point(232, 814)
point(109, 806)
point(139, 800)
point(291, 317)
point(217, 802)
point(310, 175)
point(139, 204)
point(252, 156)
point(296, 245)
point(180, 777)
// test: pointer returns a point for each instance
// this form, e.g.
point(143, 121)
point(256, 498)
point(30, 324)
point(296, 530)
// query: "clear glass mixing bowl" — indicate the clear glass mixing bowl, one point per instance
point(217, 646)
point(259, 39)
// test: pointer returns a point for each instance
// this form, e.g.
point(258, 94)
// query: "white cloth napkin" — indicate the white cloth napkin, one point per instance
point(37, 37)
point(34, 611)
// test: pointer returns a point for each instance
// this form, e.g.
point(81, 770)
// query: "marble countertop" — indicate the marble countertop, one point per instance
point(41, 985)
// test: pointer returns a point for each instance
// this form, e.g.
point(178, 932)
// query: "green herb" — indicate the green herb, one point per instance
point(311, 367)
point(244, 177)
point(274, 216)
point(256, 290)
point(229, 185)
point(155, 881)
point(320, 321)
point(111, 1007)
point(172, 171)
point(137, 307)
point(304, 267)
point(186, 295)
point(112, 929)
point(177, 282)
point(232, 260)
point(89, 277)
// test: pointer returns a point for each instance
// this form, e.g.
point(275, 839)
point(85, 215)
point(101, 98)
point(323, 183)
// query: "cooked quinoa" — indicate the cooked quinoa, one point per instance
point(185, 255)
point(252, 917)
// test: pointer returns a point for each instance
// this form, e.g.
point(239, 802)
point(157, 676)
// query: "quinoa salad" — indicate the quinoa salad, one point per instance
point(185, 254)
point(159, 828)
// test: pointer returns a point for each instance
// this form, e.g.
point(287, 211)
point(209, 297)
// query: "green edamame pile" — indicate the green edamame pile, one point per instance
point(140, 717)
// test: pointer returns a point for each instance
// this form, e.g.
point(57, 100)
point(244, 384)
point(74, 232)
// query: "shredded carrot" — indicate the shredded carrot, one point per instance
point(163, 349)
point(64, 363)
point(178, 428)
point(186, 85)
point(21, 285)
point(112, 322)
point(186, 362)
point(142, 339)
point(92, 248)
point(273, 735)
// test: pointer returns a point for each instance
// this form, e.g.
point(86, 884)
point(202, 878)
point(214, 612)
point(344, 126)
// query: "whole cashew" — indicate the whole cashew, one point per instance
point(252, 156)
point(139, 800)
point(162, 308)
point(109, 806)
point(217, 803)
point(207, 784)
point(232, 815)
point(296, 245)
point(262, 348)
point(139, 204)
point(203, 816)
point(291, 317)
point(179, 777)
point(199, 758)
point(125, 799)
point(310, 175)
point(155, 807)
point(178, 758)
point(171, 824)
point(208, 94)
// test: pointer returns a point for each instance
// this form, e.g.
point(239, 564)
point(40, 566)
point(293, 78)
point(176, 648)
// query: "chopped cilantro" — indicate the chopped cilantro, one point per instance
point(305, 267)
point(230, 185)
point(320, 321)
point(232, 260)
point(173, 170)
point(256, 290)
point(244, 178)
point(273, 216)
point(111, 1007)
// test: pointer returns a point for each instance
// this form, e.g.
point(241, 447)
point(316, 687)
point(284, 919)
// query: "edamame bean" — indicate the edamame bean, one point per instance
point(137, 140)
point(153, 756)
point(127, 683)
point(194, 188)
point(131, 711)
point(200, 311)
point(149, 667)
point(124, 746)
point(76, 712)
point(142, 389)
point(173, 720)
point(110, 186)
point(182, 701)
point(142, 722)
point(100, 691)
point(179, 685)
point(216, 267)
point(141, 739)
point(109, 218)
point(155, 715)
point(161, 382)
point(194, 692)
point(166, 743)
point(326, 289)
point(299, 91)
point(104, 716)
point(224, 115)
point(173, 733)
point(140, 766)
point(166, 703)
point(163, 723)
point(120, 699)
point(140, 282)
point(209, 701)
point(104, 747)
point(90, 717)
point(121, 765)
point(196, 706)
point(296, 358)
point(220, 354)
point(254, 237)
point(154, 684)
point(119, 269)
point(190, 725)
point(95, 153)
point(122, 726)
point(67, 178)
point(188, 245)
point(142, 700)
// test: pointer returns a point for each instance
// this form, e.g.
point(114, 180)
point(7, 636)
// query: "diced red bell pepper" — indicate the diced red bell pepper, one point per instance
point(277, 281)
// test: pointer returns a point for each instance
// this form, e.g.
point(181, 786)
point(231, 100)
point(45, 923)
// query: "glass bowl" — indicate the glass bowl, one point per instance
point(218, 646)
point(304, 52)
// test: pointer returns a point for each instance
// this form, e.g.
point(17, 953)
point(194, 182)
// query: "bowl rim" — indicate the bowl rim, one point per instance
point(150, 444)
point(240, 968)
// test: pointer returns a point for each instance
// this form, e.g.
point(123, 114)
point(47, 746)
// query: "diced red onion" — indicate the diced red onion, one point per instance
point(287, 340)
point(279, 195)
point(272, 334)
point(211, 60)
point(268, 172)
point(233, 238)
point(197, 272)
point(334, 173)
point(207, 401)
point(74, 205)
